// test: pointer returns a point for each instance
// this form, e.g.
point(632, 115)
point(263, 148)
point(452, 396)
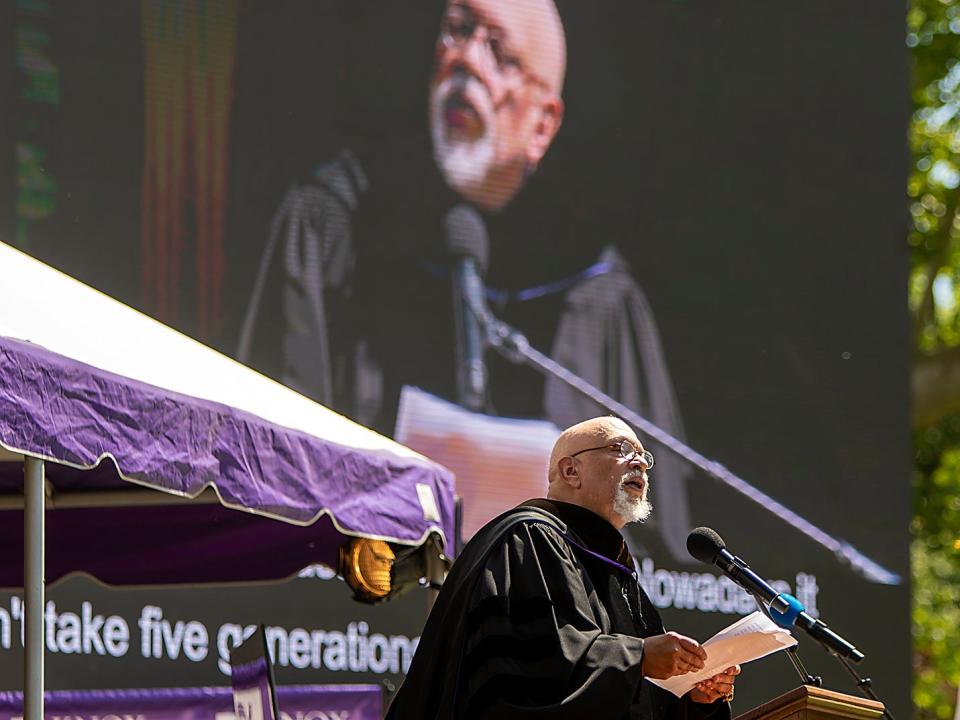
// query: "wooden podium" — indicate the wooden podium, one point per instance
point(813, 703)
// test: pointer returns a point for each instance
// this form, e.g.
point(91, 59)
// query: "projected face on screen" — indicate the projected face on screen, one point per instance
point(495, 102)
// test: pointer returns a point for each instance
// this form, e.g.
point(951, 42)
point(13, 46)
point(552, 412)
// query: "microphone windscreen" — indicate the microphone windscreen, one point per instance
point(705, 544)
point(787, 617)
point(466, 235)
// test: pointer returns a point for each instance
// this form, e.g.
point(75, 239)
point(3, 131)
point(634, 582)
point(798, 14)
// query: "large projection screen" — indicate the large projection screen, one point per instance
point(695, 205)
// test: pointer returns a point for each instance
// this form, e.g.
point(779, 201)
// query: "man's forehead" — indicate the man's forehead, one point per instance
point(523, 23)
point(616, 428)
point(610, 430)
point(595, 432)
point(505, 16)
point(531, 29)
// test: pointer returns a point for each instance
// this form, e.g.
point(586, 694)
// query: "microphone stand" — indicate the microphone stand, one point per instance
point(515, 347)
point(864, 684)
point(805, 677)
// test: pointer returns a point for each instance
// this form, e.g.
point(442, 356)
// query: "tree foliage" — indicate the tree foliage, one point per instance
point(935, 561)
point(933, 35)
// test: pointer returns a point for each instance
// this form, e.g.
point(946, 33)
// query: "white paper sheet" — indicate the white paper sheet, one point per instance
point(750, 638)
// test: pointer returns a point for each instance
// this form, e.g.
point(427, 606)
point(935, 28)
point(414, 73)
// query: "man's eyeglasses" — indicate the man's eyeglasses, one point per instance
point(459, 26)
point(628, 452)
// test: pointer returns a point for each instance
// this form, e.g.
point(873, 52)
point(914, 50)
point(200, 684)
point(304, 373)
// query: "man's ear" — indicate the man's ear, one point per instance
point(547, 124)
point(569, 472)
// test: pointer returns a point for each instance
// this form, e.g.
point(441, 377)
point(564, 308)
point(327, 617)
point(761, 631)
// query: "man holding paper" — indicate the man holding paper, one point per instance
point(542, 616)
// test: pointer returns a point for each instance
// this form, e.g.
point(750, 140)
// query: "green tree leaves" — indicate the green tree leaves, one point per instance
point(933, 36)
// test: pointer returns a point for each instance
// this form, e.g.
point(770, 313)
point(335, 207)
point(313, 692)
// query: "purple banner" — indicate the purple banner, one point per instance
point(298, 702)
point(253, 691)
point(252, 679)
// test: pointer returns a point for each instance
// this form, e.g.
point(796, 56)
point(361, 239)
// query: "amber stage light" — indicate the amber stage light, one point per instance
point(366, 565)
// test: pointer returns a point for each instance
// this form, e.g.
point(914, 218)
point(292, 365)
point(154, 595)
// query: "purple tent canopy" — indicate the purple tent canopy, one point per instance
point(127, 450)
point(138, 436)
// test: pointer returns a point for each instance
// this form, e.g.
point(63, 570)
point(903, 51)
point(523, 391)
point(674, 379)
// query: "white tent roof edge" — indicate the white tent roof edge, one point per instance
point(53, 310)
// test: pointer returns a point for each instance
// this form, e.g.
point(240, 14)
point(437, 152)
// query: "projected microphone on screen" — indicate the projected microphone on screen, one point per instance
point(467, 242)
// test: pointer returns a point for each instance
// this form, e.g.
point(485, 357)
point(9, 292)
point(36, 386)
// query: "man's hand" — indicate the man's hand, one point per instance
point(719, 687)
point(671, 654)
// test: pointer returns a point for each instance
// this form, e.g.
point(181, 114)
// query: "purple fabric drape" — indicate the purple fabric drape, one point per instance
point(137, 434)
point(313, 702)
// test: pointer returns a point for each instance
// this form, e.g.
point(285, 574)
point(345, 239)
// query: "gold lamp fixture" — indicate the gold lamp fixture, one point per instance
point(376, 570)
point(366, 565)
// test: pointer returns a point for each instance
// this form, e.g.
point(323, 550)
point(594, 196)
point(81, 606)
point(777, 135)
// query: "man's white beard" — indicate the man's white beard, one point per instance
point(463, 163)
point(630, 507)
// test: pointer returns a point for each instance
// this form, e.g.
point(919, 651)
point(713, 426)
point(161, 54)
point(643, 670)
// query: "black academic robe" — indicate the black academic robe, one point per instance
point(540, 617)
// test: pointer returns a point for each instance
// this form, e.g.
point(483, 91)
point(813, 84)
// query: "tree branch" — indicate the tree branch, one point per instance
point(925, 313)
point(935, 384)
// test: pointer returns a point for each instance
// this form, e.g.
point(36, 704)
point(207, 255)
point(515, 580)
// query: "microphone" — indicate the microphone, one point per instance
point(785, 610)
point(468, 245)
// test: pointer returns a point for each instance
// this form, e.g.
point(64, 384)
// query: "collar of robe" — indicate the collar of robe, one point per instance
point(594, 535)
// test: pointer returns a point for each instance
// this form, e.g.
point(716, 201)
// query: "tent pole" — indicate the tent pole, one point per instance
point(436, 570)
point(34, 498)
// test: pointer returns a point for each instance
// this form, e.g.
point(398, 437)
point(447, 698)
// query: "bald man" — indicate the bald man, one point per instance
point(542, 616)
